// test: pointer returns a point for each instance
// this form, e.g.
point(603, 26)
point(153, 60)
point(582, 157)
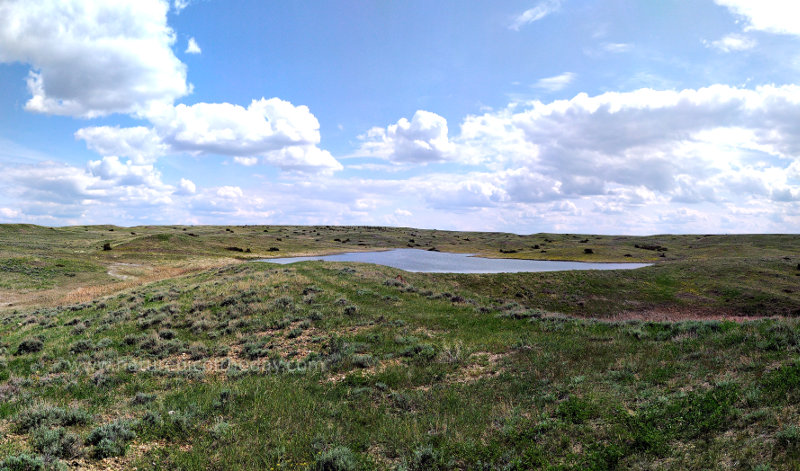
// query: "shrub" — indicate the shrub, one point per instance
point(350, 310)
point(339, 458)
point(56, 442)
point(81, 346)
point(576, 410)
point(789, 437)
point(198, 351)
point(43, 414)
point(22, 462)
point(425, 458)
point(363, 361)
point(111, 439)
point(166, 334)
point(143, 398)
point(30, 345)
point(421, 352)
point(294, 333)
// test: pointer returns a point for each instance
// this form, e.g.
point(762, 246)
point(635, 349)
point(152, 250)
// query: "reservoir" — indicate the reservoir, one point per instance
point(416, 260)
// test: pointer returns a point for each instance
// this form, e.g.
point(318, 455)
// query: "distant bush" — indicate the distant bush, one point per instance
point(56, 442)
point(22, 462)
point(81, 346)
point(788, 437)
point(425, 458)
point(339, 458)
point(43, 414)
point(30, 345)
point(143, 398)
point(111, 439)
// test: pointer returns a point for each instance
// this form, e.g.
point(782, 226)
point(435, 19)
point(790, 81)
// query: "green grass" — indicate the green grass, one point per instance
point(236, 365)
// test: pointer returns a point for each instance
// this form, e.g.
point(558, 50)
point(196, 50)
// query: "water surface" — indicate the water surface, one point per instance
point(443, 262)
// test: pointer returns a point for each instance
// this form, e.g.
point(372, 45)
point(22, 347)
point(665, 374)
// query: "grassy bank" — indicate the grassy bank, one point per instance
point(180, 354)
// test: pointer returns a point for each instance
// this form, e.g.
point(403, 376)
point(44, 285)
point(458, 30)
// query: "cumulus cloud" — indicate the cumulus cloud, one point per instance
point(93, 58)
point(554, 84)
point(423, 139)
point(534, 14)
point(141, 144)
point(273, 131)
point(732, 42)
point(192, 47)
point(773, 16)
point(224, 128)
point(187, 187)
point(706, 146)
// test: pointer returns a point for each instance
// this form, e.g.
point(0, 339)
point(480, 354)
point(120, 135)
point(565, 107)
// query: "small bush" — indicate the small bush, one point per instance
point(167, 334)
point(339, 458)
point(81, 346)
point(143, 398)
point(294, 333)
point(425, 458)
point(198, 351)
point(788, 437)
point(363, 361)
point(43, 414)
point(22, 462)
point(56, 442)
point(111, 439)
point(30, 345)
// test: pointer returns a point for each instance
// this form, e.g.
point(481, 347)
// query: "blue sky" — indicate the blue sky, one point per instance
point(524, 116)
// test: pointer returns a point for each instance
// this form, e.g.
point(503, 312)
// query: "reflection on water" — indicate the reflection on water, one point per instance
point(442, 262)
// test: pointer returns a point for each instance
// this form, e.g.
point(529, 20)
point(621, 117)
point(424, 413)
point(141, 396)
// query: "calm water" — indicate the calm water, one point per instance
point(442, 262)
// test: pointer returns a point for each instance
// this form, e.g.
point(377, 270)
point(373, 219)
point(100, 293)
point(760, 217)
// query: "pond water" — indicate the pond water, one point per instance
point(443, 262)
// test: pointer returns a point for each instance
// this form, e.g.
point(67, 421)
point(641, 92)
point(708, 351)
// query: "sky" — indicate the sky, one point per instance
point(571, 116)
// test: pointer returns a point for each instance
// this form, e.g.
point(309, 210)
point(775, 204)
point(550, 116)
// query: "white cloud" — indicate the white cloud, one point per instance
point(273, 130)
point(179, 5)
point(139, 143)
point(402, 212)
point(224, 128)
point(93, 58)
point(117, 173)
point(229, 192)
point(617, 48)
point(534, 14)
point(187, 187)
point(773, 16)
point(710, 145)
point(554, 84)
point(8, 213)
point(423, 139)
point(192, 47)
point(304, 159)
point(732, 42)
point(246, 161)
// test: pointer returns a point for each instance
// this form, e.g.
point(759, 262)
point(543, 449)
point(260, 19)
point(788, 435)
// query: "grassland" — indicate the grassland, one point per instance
point(173, 350)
